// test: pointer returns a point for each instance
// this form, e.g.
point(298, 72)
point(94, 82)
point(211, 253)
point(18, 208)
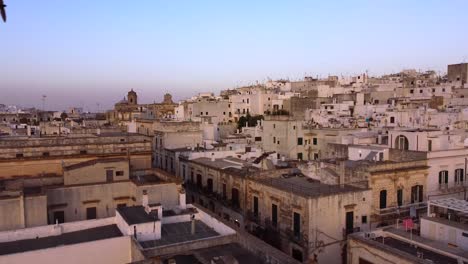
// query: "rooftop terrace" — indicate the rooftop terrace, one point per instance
point(301, 185)
point(180, 232)
point(87, 235)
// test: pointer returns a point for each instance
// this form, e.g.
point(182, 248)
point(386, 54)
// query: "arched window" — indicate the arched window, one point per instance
point(401, 142)
point(383, 199)
point(459, 176)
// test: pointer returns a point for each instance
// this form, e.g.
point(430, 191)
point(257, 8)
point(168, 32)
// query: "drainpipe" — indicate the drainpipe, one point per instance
point(22, 216)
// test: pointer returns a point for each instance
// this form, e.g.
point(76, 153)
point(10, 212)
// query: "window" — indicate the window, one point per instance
point(443, 177)
point(199, 181)
point(383, 199)
point(411, 91)
point(109, 175)
point(235, 198)
point(59, 217)
point(209, 184)
point(443, 89)
point(278, 142)
point(392, 120)
point(274, 215)
point(274, 139)
point(274, 126)
point(433, 90)
point(91, 213)
point(429, 145)
point(297, 224)
point(417, 194)
point(294, 127)
point(45, 154)
point(314, 141)
point(299, 141)
point(421, 91)
point(400, 197)
point(19, 155)
point(201, 113)
point(122, 140)
point(316, 156)
point(255, 206)
point(401, 142)
point(206, 113)
point(299, 156)
point(119, 173)
point(459, 176)
point(258, 138)
point(364, 219)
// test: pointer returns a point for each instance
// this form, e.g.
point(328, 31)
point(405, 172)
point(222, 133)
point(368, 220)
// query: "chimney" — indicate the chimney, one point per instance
point(342, 174)
point(192, 231)
point(144, 199)
point(182, 199)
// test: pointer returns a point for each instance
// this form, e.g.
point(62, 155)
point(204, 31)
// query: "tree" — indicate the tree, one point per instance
point(248, 120)
point(63, 116)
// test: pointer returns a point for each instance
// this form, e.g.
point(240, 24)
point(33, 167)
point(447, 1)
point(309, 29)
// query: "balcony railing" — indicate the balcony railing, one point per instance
point(253, 217)
point(296, 237)
point(447, 187)
point(348, 231)
point(399, 209)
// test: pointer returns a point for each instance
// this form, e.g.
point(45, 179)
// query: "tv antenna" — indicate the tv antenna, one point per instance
point(43, 100)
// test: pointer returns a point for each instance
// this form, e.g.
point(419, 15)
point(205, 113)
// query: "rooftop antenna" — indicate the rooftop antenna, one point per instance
point(43, 101)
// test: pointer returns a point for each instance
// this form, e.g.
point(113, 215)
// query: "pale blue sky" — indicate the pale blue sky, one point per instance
point(84, 52)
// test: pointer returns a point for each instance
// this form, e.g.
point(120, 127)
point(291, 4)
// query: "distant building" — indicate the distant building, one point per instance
point(458, 72)
point(128, 109)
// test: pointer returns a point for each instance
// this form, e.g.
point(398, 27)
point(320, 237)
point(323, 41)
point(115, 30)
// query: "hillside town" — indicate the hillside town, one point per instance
point(344, 169)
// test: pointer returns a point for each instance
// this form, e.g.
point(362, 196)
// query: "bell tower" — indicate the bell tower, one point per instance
point(132, 98)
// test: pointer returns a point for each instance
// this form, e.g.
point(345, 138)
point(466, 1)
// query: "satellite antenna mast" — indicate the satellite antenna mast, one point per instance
point(43, 101)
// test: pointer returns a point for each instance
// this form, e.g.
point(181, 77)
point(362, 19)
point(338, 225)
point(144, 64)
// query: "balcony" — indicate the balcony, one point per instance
point(296, 237)
point(453, 186)
point(251, 216)
point(399, 209)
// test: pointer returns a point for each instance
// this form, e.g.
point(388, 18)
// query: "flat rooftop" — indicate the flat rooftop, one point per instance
point(299, 184)
point(233, 250)
point(396, 242)
point(87, 235)
point(136, 215)
point(229, 164)
point(409, 249)
point(180, 232)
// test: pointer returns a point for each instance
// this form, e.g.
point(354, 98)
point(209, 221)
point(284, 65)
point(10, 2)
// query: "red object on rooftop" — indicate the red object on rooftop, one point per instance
point(408, 223)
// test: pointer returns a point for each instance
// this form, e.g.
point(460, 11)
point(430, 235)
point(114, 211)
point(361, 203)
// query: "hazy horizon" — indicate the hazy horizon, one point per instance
point(81, 55)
